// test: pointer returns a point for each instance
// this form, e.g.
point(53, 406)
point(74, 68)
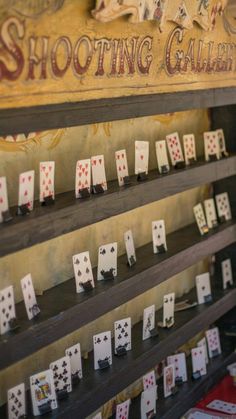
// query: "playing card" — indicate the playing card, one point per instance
point(102, 348)
point(97, 416)
point(62, 375)
point(107, 260)
point(210, 211)
point(16, 402)
point(82, 177)
point(182, 17)
point(148, 403)
point(168, 310)
point(31, 305)
point(123, 334)
point(46, 180)
point(148, 321)
point(141, 157)
point(223, 206)
point(98, 171)
point(221, 139)
point(198, 360)
point(159, 236)
point(3, 197)
point(149, 380)
point(189, 148)
point(82, 270)
point(213, 342)
point(203, 286)
point(200, 218)
point(162, 158)
point(121, 166)
point(202, 343)
point(122, 410)
point(130, 249)
point(174, 148)
point(211, 145)
point(222, 406)
point(179, 361)
point(168, 379)
point(7, 308)
point(43, 394)
point(74, 353)
point(26, 189)
point(227, 275)
point(200, 414)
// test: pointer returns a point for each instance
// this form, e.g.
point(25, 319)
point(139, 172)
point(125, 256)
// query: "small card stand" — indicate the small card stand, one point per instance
point(215, 353)
point(225, 154)
point(108, 275)
point(6, 216)
point(48, 200)
point(191, 161)
point(23, 210)
point(84, 193)
point(103, 364)
point(121, 351)
point(208, 298)
point(174, 390)
point(45, 408)
point(164, 170)
point(169, 323)
point(142, 177)
point(213, 157)
point(87, 286)
point(229, 285)
point(205, 229)
point(97, 189)
point(35, 310)
point(178, 381)
point(161, 248)
point(22, 417)
point(13, 324)
point(127, 181)
point(62, 394)
point(154, 332)
point(180, 165)
point(75, 379)
point(222, 219)
point(214, 223)
point(151, 414)
point(132, 261)
point(196, 375)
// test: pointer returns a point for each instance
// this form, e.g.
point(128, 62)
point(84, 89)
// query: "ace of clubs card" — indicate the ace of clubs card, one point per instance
point(16, 402)
point(174, 147)
point(203, 286)
point(82, 270)
point(130, 249)
point(227, 275)
point(46, 180)
point(31, 305)
point(158, 235)
point(169, 379)
point(200, 219)
point(122, 410)
point(62, 374)
point(141, 157)
point(26, 189)
point(74, 353)
point(211, 145)
point(98, 171)
point(213, 342)
point(148, 321)
point(168, 310)
point(107, 260)
point(121, 166)
point(198, 360)
point(7, 308)
point(162, 158)
point(223, 206)
point(179, 361)
point(42, 391)
point(123, 334)
point(148, 402)
point(82, 177)
point(210, 212)
point(149, 380)
point(189, 147)
point(202, 343)
point(3, 197)
point(102, 348)
point(221, 138)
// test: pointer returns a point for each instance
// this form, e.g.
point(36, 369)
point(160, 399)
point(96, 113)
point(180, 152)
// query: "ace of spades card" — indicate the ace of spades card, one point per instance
point(169, 379)
point(62, 374)
point(107, 260)
point(148, 321)
point(130, 249)
point(141, 157)
point(174, 148)
point(202, 343)
point(211, 145)
point(162, 158)
point(121, 166)
point(3, 197)
point(159, 236)
point(74, 353)
point(16, 405)
point(43, 394)
point(189, 148)
point(31, 305)
point(123, 334)
point(82, 270)
point(122, 410)
point(223, 206)
point(200, 219)
point(46, 180)
point(102, 348)
point(7, 308)
point(179, 361)
point(98, 171)
point(213, 342)
point(82, 177)
point(210, 212)
point(203, 286)
point(26, 189)
point(198, 360)
point(168, 310)
point(227, 275)
point(221, 138)
point(149, 380)
point(148, 403)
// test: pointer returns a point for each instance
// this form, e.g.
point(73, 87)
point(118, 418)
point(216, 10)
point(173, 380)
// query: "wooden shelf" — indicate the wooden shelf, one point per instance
point(69, 214)
point(61, 316)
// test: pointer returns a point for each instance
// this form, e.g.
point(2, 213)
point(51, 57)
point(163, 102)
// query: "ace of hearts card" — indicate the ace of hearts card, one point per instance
point(121, 166)
point(107, 260)
point(102, 348)
point(148, 403)
point(16, 402)
point(3, 197)
point(169, 379)
point(31, 305)
point(82, 270)
point(213, 342)
point(46, 180)
point(211, 145)
point(141, 157)
point(7, 308)
point(43, 394)
point(98, 171)
point(82, 177)
point(174, 148)
point(123, 334)
point(26, 189)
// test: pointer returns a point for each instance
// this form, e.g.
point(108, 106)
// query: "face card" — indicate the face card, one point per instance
point(98, 171)
point(123, 334)
point(26, 189)
point(83, 176)
point(107, 260)
point(189, 148)
point(3, 197)
point(16, 402)
point(7, 308)
point(210, 211)
point(62, 374)
point(149, 380)
point(222, 406)
point(43, 392)
point(174, 148)
point(227, 275)
point(82, 270)
point(223, 206)
point(121, 166)
point(148, 403)
point(211, 145)
point(141, 157)
point(162, 158)
point(202, 343)
point(31, 305)
point(74, 353)
point(122, 410)
point(158, 235)
point(168, 309)
point(198, 360)
point(221, 138)
point(102, 348)
point(148, 321)
point(169, 379)
point(179, 361)
point(203, 286)
point(200, 219)
point(130, 249)
point(46, 180)
point(213, 342)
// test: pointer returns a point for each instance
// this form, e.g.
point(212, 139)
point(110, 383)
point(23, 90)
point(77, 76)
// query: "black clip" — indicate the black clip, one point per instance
point(103, 364)
point(174, 390)
point(178, 381)
point(84, 193)
point(154, 332)
point(161, 248)
point(191, 161)
point(212, 157)
point(214, 223)
point(87, 286)
point(75, 379)
point(97, 189)
point(22, 417)
point(222, 219)
point(23, 210)
point(142, 177)
point(13, 324)
point(35, 310)
point(6, 216)
point(62, 394)
point(132, 261)
point(229, 285)
point(225, 154)
point(164, 170)
point(208, 298)
point(151, 414)
point(196, 375)
point(108, 275)
point(121, 351)
point(215, 353)
point(126, 180)
point(205, 229)
point(169, 322)
point(45, 408)
point(48, 200)
point(180, 165)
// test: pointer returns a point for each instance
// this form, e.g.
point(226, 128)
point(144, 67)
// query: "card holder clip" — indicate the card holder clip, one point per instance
point(108, 275)
point(84, 193)
point(164, 170)
point(222, 219)
point(103, 364)
point(196, 375)
point(121, 351)
point(151, 414)
point(98, 189)
point(132, 261)
point(191, 161)
point(180, 165)
point(35, 310)
point(174, 390)
point(62, 394)
point(229, 285)
point(23, 210)
point(127, 181)
point(13, 324)
point(142, 177)
point(87, 286)
point(6, 216)
point(48, 200)
point(212, 157)
point(154, 332)
point(75, 378)
point(161, 248)
point(45, 408)
point(178, 381)
point(208, 298)
point(215, 353)
point(214, 223)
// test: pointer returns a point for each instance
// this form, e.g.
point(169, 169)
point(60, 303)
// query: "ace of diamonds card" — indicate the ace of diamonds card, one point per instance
point(26, 189)
point(3, 197)
point(46, 180)
point(83, 177)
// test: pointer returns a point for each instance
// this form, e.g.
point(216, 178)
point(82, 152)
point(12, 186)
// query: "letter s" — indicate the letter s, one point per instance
point(9, 45)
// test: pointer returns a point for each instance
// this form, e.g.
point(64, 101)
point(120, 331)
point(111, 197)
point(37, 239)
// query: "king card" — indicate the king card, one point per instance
point(200, 219)
point(227, 275)
point(189, 148)
point(98, 171)
point(3, 197)
point(162, 158)
point(169, 380)
point(148, 321)
point(130, 249)
point(31, 305)
point(141, 157)
point(213, 342)
point(123, 334)
point(211, 146)
point(82, 177)
point(149, 380)
point(121, 166)
point(16, 402)
point(62, 376)
point(74, 353)
point(179, 361)
point(122, 410)
point(46, 180)
point(107, 261)
point(83, 271)
point(43, 394)
point(26, 189)
point(159, 236)
point(148, 403)
point(174, 148)
point(203, 286)
point(223, 206)
point(198, 361)
point(102, 349)
point(7, 309)
point(210, 212)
